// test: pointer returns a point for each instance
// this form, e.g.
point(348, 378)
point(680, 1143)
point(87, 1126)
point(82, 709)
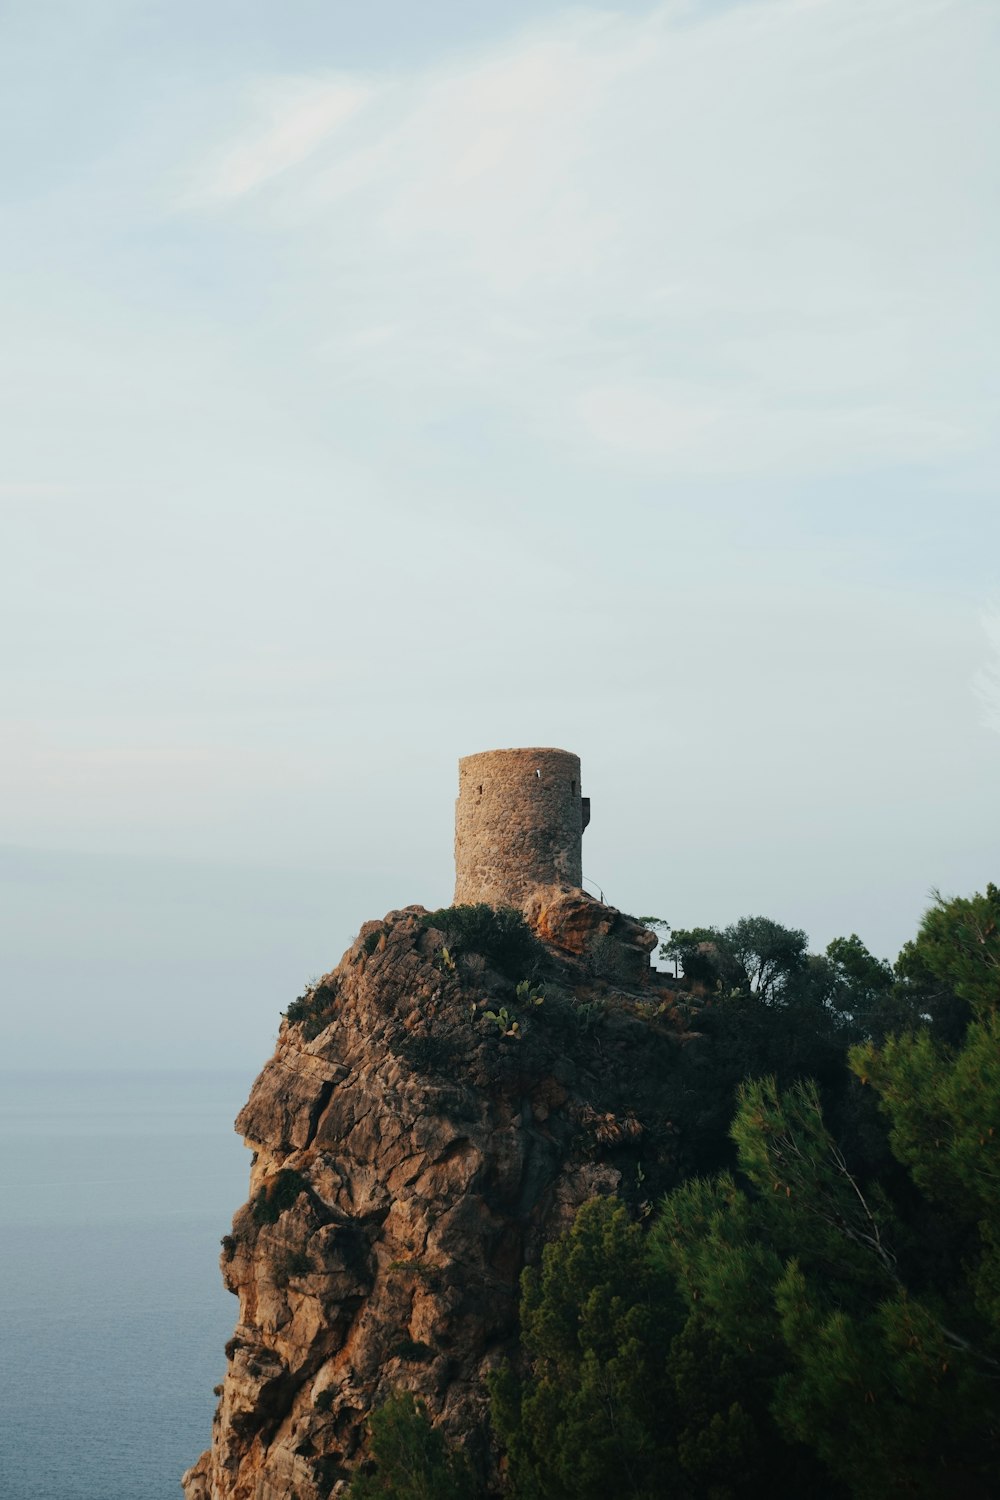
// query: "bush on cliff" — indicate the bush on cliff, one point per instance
point(278, 1195)
point(499, 934)
point(411, 1460)
point(312, 1010)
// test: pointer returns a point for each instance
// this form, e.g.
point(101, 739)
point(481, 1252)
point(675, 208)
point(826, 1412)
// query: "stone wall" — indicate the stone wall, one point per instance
point(519, 822)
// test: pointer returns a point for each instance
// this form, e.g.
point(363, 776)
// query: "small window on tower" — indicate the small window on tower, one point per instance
point(572, 787)
point(538, 774)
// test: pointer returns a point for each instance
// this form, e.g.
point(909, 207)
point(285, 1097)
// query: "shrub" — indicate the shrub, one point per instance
point(499, 933)
point(411, 1458)
point(412, 1350)
point(312, 1010)
point(527, 993)
point(273, 1199)
point(291, 1263)
point(588, 1014)
point(503, 1021)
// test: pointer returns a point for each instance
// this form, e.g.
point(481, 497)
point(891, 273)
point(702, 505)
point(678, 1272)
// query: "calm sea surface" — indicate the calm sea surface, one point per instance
point(114, 1192)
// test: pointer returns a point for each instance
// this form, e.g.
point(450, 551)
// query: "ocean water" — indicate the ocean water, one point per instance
point(115, 1190)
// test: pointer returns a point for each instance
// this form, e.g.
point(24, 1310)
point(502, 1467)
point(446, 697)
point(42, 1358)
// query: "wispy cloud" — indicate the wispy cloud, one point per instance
point(675, 237)
point(292, 119)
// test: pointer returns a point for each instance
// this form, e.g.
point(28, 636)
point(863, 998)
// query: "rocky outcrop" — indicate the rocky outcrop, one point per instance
point(617, 946)
point(430, 1117)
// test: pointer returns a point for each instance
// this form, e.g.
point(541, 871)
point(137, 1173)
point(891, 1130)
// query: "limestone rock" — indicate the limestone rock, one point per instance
point(411, 1156)
point(618, 945)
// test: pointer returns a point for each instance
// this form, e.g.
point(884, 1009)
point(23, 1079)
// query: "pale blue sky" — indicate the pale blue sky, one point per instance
point(386, 382)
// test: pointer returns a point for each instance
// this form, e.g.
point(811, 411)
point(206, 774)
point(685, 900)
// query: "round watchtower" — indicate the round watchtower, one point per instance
point(519, 822)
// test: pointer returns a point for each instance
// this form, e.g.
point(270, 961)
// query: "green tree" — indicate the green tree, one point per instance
point(582, 1421)
point(623, 1392)
point(754, 955)
point(952, 966)
point(942, 1100)
point(824, 1318)
point(412, 1461)
point(878, 1377)
point(861, 988)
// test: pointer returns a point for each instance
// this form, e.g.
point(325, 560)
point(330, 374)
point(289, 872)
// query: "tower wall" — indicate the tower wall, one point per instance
point(519, 822)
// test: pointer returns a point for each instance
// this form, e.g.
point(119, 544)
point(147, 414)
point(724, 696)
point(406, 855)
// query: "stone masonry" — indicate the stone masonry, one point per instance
point(519, 821)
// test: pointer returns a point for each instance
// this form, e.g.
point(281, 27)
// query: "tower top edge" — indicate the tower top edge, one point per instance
point(514, 751)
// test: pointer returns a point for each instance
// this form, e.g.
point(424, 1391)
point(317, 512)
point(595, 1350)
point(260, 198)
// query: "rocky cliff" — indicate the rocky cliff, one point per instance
point(436, 1108)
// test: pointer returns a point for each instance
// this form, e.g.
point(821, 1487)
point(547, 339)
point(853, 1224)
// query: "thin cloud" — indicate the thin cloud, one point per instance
point(690, 240)
point(294, 117)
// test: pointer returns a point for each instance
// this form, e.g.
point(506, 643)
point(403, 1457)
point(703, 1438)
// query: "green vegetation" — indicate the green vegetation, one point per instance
point(414, 1351)
point(527, 993)
point(498, 933)
point(278, 1195)
point(411, 1460)
point(313, 1010)
point(580, 1422)
point(825, 1318)
point(503, 1021)
point(587, 1014)
point(289, 1264)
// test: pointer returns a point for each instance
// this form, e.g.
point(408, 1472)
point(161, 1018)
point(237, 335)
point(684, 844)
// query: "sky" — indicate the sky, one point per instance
point(383, 383)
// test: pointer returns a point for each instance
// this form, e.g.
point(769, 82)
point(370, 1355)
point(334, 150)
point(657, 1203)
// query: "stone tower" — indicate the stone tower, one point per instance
point(519, 822)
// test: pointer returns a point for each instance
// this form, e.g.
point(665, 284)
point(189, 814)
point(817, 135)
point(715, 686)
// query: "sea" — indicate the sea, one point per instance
point(115, 1190)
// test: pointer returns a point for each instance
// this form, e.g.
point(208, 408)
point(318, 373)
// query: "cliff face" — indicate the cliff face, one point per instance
point(411, 1155)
